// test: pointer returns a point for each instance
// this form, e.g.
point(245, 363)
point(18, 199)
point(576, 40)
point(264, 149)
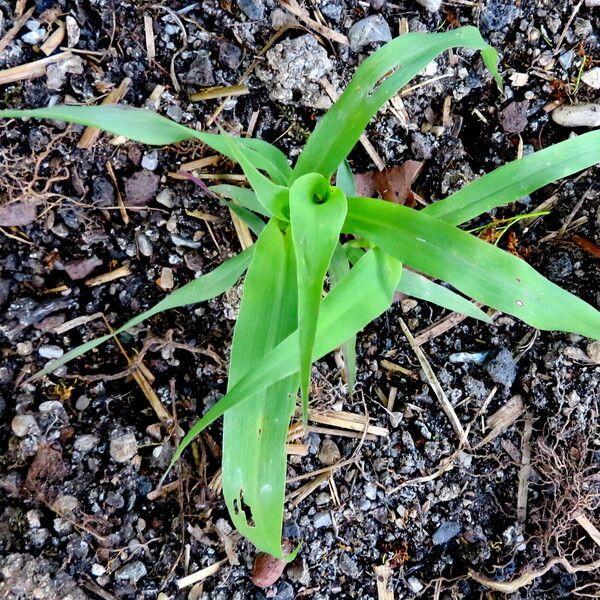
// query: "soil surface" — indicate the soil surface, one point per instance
point(82, 451)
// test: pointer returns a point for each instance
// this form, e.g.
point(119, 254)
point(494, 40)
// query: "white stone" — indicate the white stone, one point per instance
point(592, 78)
point(578, 115)
point(431, 5)
point(123, 448)
point(23, 425)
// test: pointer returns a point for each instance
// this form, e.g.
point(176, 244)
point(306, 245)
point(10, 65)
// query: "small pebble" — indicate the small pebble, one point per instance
point(329, 453)
point(447, 531)
point(592, 78)
point(34, 37)
point(23, 425)
point(415, 585)
point(593, 351)
point(144, 245)
point(86, 442)
point(97, 570)
point(73, 31)
point(367, 31)
point(131, 572)
point(502, 368)
point(577, 115)
point(431, 5)
point(371, 490)
point(253, 9)
point(322, 519)
point(50, 351)
point(123, 448)
point(166, 281)
point(150, 160)
point(24, 348)
point(165, 197)
point(348, 566)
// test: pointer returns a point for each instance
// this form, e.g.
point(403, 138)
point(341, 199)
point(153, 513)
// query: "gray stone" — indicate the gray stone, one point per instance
point(502, 368)
point(348, 566)
point(295, 68)
point(592, 78)
point(23, 425)
point(230, 55)
point(368, 31)
point(322, 519)
point(123, 448)
point(329, 453)
point(85, 443)
point(200, 72)
point(447, 531)
point(50, 351)
point(131, 572)
point(80, 268)
point(150, 160)
point(415, 585)
point(371, 490)
point(431, 5)
point(253, 9)
point(577, 115)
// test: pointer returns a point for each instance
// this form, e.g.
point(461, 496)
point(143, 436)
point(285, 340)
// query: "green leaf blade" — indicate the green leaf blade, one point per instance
point(518, 178)
point(415, 285)
point(254, 433)
point(376, 80)
point(476, 268)
point(317, 213)
point(204, 288)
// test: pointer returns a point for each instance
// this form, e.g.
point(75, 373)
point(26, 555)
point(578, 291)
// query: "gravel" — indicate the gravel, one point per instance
point(123, 447)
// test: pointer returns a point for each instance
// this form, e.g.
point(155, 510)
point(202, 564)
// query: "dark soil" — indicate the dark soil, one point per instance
point(82, 450)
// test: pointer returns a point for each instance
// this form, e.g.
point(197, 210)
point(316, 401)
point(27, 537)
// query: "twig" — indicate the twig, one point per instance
point(435, 385)
point(12, 32)
point(149, 36)
point(525, 469)
point(511, 586)
point(200, 575)
point(303, 15)
point(32, 70)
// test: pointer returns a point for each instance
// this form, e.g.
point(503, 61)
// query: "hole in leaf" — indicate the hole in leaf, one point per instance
point(239, 506)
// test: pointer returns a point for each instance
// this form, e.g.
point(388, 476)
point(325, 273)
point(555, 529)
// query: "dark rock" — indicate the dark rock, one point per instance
point(498, 14)
point(201, 71)
point(141, 188)
point(17, 214)
point(348, 566)
point(502, 368)
point(447, 531)
point(253, 9)
point(103, 193)
point(368, 31)
point(78, 269)
point(230, 55)
point(560, 266)
point(514, 117)
point(5, 286)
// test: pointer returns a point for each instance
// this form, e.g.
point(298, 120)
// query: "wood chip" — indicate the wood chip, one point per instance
point(91, 134)
point(525, 470)
point(200, 575)
point(55, 39)
point(149, 34)
point(502, 419)
point(296, 449)
point(224, 91)
point(382, 578)
point(591, 529)
point(110, 276)
point(346, 420)
point(12, 32)
point(201, 163)
point(32, 70)
point(435, 385)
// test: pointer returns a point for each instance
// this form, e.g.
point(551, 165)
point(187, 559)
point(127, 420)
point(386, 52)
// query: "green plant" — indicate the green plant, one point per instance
point(284, 322)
